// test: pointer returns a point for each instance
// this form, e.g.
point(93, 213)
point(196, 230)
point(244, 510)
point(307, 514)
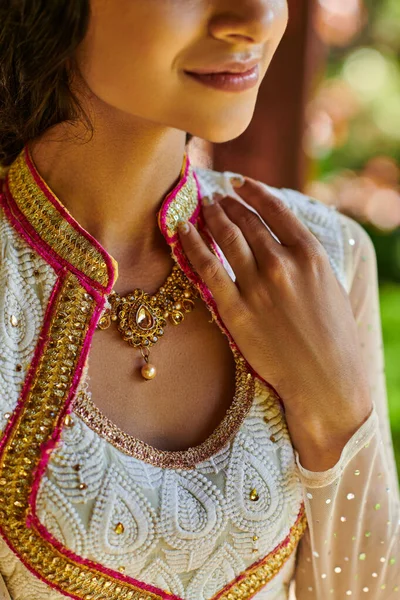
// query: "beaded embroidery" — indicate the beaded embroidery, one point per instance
point(185, 459)
point(39, 208)
point(34, 428)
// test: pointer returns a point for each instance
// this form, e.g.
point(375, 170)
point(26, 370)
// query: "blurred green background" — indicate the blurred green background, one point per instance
point(354, 120)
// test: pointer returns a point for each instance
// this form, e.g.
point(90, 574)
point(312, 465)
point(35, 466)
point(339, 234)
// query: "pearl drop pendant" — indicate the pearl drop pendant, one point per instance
point(148, 371)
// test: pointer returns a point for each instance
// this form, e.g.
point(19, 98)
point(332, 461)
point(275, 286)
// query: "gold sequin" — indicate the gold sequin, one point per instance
point(119, 528)
point(183, 206)
point(68, 421)
point(14, 321)
point(254, 495)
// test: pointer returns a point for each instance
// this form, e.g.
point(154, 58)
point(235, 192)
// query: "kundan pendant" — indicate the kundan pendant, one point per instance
point(141, 318)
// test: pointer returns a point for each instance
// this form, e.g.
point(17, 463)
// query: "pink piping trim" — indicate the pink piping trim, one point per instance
point(206, 295)
point(243, 575)
point(47, 449)
point(35, 361)
point(19, 222)
point(162, 214)
point(32, 519)
point(67, 215)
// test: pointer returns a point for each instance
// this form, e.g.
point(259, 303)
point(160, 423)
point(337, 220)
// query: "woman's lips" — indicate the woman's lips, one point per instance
point(230, 82)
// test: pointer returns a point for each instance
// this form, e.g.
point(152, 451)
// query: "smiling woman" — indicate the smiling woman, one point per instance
point(242, 452)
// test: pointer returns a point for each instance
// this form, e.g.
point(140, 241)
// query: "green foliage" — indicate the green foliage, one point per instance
point(390, 304)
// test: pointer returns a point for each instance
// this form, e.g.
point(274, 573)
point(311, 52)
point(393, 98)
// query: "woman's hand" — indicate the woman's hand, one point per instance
point(289, 316)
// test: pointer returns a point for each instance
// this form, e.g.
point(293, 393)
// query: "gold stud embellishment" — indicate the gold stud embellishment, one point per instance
point(68, 421)
point(254, 495)
point(119, 528)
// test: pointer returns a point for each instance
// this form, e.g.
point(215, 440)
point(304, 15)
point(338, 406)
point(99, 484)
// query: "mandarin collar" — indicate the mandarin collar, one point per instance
point(56, 232)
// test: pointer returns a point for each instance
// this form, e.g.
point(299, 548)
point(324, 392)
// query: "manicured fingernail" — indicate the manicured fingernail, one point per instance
point(207, 200)
point(237, 181)
point(183, 227)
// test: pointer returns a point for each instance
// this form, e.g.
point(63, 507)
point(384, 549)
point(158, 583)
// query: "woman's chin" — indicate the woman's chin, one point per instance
point(218, 133)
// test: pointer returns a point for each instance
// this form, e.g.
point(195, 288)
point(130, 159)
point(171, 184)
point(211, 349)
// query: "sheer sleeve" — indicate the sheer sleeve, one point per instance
point(352, 545)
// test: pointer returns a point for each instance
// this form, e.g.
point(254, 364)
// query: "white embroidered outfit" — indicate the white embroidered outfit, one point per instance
point(87, 511)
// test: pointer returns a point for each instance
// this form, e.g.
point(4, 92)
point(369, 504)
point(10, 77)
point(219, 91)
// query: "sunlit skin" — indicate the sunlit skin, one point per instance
point(134, 88)
point(290, 317)
point(132, 62)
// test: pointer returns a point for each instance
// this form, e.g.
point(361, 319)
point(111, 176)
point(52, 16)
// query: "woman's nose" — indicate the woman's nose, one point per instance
point(247, 20)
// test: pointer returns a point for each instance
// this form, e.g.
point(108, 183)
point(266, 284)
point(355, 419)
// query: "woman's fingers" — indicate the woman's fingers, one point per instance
point(282, 221)
point(229, 238)
point(260, 240)
point(208, 266)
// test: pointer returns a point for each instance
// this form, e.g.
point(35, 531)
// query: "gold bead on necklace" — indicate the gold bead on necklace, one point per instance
point(141, 318)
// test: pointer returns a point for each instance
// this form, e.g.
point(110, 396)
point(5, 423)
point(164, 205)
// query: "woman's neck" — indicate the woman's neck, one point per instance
point(114, 183)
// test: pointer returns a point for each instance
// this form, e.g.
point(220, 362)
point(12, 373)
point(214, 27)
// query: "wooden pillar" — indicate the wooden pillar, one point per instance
point(271, 148)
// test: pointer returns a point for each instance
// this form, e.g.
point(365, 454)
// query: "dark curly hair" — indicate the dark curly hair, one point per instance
point(38, 39)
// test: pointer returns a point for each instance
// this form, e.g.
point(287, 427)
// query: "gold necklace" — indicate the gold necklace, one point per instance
point(141, 317)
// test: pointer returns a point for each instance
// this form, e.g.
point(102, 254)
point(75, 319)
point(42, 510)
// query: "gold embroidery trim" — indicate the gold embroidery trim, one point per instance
point(179, 459)
point(66, 240)
point(51, 225)
point(21, 454)
point(39, 416)
point(262, 573)
point(183, 205)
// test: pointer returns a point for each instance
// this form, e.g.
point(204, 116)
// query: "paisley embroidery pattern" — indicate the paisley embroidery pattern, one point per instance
point(60, 518)
point(78, 463)
point(224, 565)
point(162, 576)
point(192, 509)
point(116, 526)
point(120, 503)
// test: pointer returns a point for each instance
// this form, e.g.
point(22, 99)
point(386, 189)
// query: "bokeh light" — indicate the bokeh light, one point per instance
point(353, 120)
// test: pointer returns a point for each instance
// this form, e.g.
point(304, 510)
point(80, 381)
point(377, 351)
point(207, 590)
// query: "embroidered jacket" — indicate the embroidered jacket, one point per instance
point(91, 513)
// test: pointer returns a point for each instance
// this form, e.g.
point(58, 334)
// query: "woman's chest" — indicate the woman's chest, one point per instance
point(193, 388)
